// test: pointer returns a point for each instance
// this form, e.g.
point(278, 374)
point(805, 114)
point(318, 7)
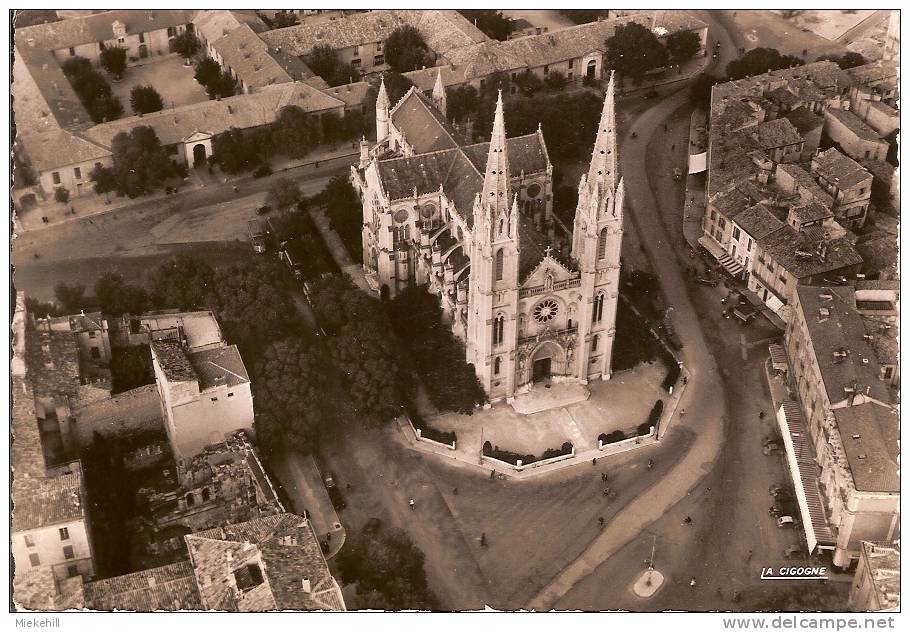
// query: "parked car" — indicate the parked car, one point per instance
point(707, 281)
point(786, 522)
point(771, 448)
point(677, 173)
point(652, 94)
point(262, 171)
point(329, 479)
point(262, 210)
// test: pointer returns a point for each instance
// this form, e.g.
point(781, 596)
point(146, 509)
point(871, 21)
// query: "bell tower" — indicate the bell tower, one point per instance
point(597, 245)
point(493, 296)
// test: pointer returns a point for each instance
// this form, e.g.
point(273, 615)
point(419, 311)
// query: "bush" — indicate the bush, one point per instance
point(612, 437)
point(426, 431)
point(513, 457)
point(673, 371)
point(62, 195)
point(653, 418)
point(93, 90)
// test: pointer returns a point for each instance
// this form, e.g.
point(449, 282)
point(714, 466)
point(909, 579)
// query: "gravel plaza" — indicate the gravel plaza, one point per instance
point(173, 81)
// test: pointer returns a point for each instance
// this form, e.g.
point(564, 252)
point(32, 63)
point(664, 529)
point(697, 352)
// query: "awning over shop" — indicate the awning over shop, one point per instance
point(804, 473)
point(698, 162)
point(778, 357)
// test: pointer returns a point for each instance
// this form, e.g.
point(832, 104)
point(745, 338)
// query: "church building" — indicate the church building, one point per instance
point(533, 300)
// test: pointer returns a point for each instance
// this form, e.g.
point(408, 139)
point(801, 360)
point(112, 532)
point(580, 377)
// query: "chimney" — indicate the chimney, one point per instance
point(305, 585)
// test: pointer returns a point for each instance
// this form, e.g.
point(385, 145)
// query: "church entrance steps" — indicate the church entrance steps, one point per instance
point(543, 397)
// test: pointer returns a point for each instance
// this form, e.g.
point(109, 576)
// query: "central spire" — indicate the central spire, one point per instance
point(496, 177)
point(603, 162)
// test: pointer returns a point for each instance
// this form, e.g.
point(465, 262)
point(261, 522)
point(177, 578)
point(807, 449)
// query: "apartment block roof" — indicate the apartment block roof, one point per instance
point(171, 587)
point(218, 366)
point(758, 221)
point(271, 563)
point(853, 123)
point(845, 358)
point(870, 434)
point(173, 360)
point(840, 169)
point(46, 502)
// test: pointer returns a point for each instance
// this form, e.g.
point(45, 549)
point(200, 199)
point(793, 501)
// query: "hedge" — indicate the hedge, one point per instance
point(613, 437)
point(513, 457)
point(673, 371)
point(428, 432)
point(654, 415)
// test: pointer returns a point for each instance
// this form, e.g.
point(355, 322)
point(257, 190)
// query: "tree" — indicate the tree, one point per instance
point(584, 16)
point(461, 102)
point(555, 81)
point(490, 21)
point(207, 71)
point(284, 194)
point(104, 178)
point(324, 61)
point(221, 87)
point(284, 19)
point(332, 128)
point(845, 61)
point(237, 151)
point(106, 108)
point(759, 61)
point(682, 46)
point(294, 133)
point(131, 367)
point(62, 195)
point(186, 45)
point(528, 83)
point(633, 50)
point(345, 213)
point(117, 297)
point(405, 50)
point(140, 163)
point(71, 297)
point(145, 100)
point(388, 569)
point(184, 283)
point(23, 173)
point(92, 89)
point(288, 386)
point(700, 90)
point(113, 60)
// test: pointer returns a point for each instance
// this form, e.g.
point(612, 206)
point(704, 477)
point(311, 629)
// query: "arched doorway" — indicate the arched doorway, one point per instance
point(143, 51)
point(384, 292)
point(591, 70)
point(198, 155)
point(543, 362)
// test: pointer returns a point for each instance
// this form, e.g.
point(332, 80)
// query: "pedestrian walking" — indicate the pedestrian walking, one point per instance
point(749, 556)
point(483, 539)
point(601, 522)
point(411, 503)
point(687, 520)
point(761, 414)
point(692, 582)
point(492, 474)
point(594, 461)
point(603, 477)
point(454, 491)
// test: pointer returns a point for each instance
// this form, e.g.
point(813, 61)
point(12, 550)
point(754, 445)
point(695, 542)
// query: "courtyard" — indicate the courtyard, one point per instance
point(622, 403)
point(173, 81)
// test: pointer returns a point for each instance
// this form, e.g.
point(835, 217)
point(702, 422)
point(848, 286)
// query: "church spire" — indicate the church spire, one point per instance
point(603, 161)
point(382, 100)
point(439, 94)
point(382, 112)
point(496, 177)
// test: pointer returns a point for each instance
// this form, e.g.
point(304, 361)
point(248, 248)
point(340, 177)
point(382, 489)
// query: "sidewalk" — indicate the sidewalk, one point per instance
point(339, 252)
point(696, 200)
point(198, 180)
point(688, 70)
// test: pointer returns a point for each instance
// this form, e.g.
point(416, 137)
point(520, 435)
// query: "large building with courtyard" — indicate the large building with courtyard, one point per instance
point(532, 299)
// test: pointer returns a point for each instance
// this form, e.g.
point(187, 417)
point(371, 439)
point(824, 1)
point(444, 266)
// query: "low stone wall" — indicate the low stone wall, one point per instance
point(489, 460)
point(627, 444)
point(418, 435)
point(129, 413)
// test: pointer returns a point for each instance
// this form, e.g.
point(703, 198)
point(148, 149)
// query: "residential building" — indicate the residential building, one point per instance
point(532, 301)
point(851, 424)
point(809, 126)
point(877, 583)
point(847, 182)
point(853, 136)
point(92, 338)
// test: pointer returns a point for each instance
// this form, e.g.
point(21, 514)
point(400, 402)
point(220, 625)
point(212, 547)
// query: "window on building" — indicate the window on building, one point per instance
point(378, 46)
point(713, 215)
point(378, 60)
point(206, 494)
point(64, 533)
point(230, 394)
point(499, 327)
point(749, 247)
point(96, 353)
point(121, 40)
point(77, 172)
point(598, 308)
point(190, 500)
point(68, 552)
point(595, 342)
point(355, 63)
point(736, 233)
point(72, 52)
point(863, 189)
point(29, 541)
point(887, 372)
point(56, 177)
point(171, 31)
point(100, 45)
point(497, 366)
point(356, 51)
point(546, 69)
point(571, 64)
point(34, 560)
point(142, 38)
point(72, 570)
point(500, 264)
point(602, 244)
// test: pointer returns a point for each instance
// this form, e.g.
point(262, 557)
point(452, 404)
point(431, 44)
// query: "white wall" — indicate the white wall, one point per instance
point(49, 548)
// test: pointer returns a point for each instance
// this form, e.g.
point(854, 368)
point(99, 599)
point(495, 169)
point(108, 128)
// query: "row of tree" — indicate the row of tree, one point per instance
point(633, 50)
point(92, 88)
point(140, 165)
point(218, 83)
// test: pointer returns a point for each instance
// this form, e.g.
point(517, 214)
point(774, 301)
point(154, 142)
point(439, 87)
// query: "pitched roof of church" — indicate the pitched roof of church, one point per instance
point(425, 128)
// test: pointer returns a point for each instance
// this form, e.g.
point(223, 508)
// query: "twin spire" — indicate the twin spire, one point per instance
point(603, 162)
point(496, 177)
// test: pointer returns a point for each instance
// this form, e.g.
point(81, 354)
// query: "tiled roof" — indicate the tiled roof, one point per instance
point(173, 360)
point(758, 221)
point(786, 244)
point(241, 111)
point(835, 326)
point(423, 127)
point(808, 183)
point(732, 202)
point(884, 570)
point(213, 25)
point(777, 133)
point(352, 94)
point(534, 248)
point(57, 148)
point(43, 98)
point(290, 556)
point(171, 587)
point(425, 78)
point(219, 366)
point(527, 154)
point(854, 123)
point(400, 176)
point(93, 321)
point(870, 435)
point(811, 211)
point(804, 120)
point(47, 501)
point(840, 169)
point(97, 27)
point(254, 63)
point(874, 72)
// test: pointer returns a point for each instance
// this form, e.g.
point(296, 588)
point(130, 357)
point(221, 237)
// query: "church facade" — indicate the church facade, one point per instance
point(533, 300)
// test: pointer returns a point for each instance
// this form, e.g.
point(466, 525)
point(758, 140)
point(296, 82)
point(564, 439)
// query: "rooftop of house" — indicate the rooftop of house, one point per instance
point(806, 182)
point(853, 123)
point(846, 360)
point(808, 253)
point(52, 360)
point(870, 434)
point(881, 334)
point(215, 24)
point(351, 94)
point(811, 211)
point(171, 587)
point(425, 78)
point(271, 563)
point(39, 589)
point(174, 361)
point(98, 27)
point(220, 366)
point(777, 133)
point(255, 63)
point(442, 30)
point(841, 170)
point(884, 568)
point(758, 221)
point(875, 72)
point(44, 502)
point(804, 120)
point(824, 75)
point(200, 328)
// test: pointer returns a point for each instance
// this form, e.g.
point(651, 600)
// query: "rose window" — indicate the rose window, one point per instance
point(545, 311)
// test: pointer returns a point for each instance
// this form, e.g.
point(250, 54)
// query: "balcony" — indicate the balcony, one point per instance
point(549, 334)
point(540, 289)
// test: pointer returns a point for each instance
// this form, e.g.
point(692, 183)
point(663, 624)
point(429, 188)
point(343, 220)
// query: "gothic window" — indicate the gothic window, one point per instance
point(602, 244)
point(546, 310)
point(407, 232)
point(460, 234)
point(497, 366)
point(598, 308)
point(499, 326)
point(500, 263)
point(534, 190)
point(502, 226)
point(594, 342)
